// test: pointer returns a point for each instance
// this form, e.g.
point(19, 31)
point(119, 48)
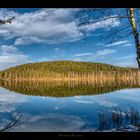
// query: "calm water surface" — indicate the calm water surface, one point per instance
point(62, 113)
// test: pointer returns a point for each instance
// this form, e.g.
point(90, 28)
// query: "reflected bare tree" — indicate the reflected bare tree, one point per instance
point(15, 122)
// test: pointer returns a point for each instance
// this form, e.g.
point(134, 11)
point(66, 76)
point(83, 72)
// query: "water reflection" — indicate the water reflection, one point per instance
point(76, 114)
point(15, 121)
point(74, 110)
point(67, 88)
point(118, 119)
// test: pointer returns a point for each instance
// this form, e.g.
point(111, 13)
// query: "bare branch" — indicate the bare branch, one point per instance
point(93, 22)
point(115, 34)
point(16, 121)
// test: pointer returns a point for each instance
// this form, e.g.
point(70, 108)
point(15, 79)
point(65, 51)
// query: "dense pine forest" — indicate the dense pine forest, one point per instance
point(68, 70)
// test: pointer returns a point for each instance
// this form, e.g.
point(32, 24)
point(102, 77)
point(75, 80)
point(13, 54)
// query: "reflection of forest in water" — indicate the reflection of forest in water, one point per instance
point(68, 88)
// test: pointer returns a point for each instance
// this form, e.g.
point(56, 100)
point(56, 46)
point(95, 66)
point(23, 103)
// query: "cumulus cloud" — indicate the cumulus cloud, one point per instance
point(47, 26)
point(43, 26)
point(11, 56)
point(5, 49)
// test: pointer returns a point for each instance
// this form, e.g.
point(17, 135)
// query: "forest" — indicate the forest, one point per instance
point(69, 70)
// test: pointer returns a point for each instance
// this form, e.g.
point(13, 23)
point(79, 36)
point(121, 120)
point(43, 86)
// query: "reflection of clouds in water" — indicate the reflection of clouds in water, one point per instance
point(9, 100)
point(133, 98)
point(7, 107)
point(58, 122)
point(3, 122)
point(78, 97)
point(112, 99)
point(11, 97)
point(127, 95)
point(8, 104)
point(98, 100)
point(135, 90)
point(60, 105)
point(83, 101)
point(54, 123)
point(106, 103)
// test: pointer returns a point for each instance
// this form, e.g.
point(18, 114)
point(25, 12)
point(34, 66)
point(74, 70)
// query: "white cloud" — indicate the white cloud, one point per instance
point(132, 56)
point(123, 43)
point(127, 45)
point(82, 54)
point(99, 55)
point(47, 26)
point(5, 49)
point(105, 52)
point(113, 22)
point(126, 61)
point(43, 26)
point(11, 56)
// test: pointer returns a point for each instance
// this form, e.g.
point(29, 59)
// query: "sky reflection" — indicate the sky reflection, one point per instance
point(78, 113)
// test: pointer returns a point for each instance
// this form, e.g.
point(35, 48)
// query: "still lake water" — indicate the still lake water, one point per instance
point(61, 112)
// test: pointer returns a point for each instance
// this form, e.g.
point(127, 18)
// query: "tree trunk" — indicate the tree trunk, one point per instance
point(136, 35)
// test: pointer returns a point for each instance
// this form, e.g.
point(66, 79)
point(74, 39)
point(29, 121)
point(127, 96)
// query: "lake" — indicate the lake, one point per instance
point(63, 106)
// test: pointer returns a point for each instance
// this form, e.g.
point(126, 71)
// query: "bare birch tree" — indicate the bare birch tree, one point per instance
point(98, 15)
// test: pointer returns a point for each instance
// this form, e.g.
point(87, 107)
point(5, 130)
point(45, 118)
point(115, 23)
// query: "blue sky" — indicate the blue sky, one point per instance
point(53, 34)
